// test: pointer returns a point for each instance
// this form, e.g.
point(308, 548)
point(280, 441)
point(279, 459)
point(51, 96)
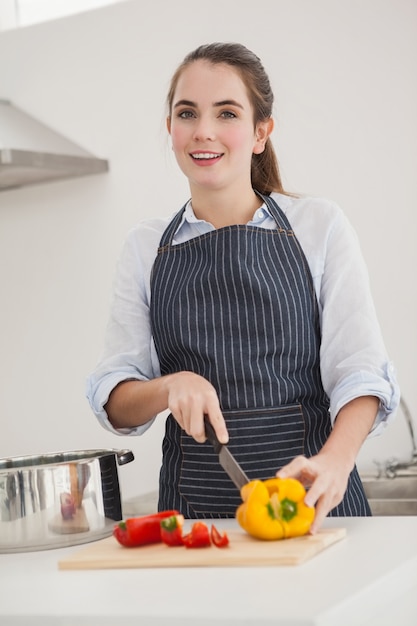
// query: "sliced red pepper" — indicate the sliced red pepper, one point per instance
point(171, 530)
point(221, 540)
point(198, 537)
point(139, 531)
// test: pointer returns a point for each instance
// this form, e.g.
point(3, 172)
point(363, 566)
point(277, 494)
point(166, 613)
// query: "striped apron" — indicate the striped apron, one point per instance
point(237, 306)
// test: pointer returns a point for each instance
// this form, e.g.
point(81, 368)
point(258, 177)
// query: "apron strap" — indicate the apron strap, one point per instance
point(276, 212)
point(171, 229)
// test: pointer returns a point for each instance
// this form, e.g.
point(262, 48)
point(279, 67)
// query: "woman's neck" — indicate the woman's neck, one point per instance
point(224, 208)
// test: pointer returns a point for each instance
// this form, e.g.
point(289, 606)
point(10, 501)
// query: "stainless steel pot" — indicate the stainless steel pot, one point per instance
point(59, 499)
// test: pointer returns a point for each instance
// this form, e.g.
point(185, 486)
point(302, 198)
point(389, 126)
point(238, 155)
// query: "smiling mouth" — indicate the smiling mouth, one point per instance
point(206, 156)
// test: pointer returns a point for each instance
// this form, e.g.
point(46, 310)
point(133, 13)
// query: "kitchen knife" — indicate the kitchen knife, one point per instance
point(226, 458)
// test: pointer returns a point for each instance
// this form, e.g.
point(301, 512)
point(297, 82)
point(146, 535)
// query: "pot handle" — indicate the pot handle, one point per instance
point(124, 456)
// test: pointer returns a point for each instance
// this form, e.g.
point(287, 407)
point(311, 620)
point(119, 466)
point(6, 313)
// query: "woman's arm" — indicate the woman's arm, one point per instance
point(354, 360)
point(188, 397)
point(326, 474)
point(128, 352)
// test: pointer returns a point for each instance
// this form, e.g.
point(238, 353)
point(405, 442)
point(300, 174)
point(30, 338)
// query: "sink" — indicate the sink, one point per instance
point(391, 496)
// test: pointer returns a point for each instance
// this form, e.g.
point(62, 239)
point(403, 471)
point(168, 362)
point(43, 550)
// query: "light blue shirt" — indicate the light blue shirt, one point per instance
point(353, 357)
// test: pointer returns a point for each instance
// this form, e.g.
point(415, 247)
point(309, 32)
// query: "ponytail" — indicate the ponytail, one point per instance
point(265, 171)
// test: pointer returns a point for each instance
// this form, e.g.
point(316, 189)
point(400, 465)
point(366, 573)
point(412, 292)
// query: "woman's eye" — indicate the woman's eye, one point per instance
point(228, 114)
point(185, 114)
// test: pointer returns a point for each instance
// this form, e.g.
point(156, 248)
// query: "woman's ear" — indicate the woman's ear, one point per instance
point(168, 123)
point(262, 132)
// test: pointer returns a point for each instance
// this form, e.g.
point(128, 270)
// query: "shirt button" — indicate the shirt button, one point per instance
point(260, 214)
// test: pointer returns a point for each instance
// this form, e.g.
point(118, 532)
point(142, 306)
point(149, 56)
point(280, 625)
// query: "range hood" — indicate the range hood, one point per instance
point(32, 153)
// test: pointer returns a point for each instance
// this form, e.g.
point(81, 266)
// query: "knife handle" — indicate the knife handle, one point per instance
point(211, 435)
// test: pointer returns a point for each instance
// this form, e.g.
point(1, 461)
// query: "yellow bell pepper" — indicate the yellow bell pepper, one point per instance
point(274, 509)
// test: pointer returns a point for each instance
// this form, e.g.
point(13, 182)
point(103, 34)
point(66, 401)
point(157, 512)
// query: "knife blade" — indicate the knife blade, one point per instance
point(226, 458)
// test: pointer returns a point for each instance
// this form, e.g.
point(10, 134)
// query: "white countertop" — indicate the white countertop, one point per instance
point(368, 578)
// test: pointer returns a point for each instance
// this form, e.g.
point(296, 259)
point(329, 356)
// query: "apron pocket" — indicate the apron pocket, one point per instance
point(261, 440)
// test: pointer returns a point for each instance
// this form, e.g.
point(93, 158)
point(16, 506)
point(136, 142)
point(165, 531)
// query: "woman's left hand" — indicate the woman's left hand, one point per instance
point(325, 480)
point(326, 474)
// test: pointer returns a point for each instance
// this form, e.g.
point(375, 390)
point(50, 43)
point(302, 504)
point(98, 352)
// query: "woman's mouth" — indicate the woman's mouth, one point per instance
point(206, 158)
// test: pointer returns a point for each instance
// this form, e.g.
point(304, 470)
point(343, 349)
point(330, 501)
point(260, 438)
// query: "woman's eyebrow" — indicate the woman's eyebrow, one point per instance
point(187, 103)
point(221, 103)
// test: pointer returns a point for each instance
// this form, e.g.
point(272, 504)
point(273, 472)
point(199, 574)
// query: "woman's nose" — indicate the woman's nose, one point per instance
point(204, 129)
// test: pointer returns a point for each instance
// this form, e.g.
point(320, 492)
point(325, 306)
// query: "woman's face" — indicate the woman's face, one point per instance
point(212, 128)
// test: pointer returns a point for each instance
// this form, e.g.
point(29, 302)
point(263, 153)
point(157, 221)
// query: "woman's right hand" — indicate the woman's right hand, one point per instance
point(190, 397)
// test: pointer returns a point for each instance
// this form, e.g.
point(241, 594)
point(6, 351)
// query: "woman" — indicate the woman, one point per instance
point(249, 305)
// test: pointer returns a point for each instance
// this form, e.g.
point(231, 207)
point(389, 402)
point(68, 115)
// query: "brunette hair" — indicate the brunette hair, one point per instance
point(265, 175)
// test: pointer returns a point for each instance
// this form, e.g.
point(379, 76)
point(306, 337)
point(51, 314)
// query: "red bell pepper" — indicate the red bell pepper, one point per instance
point(198, 537)
point(139, 531)
point(220, 540)
point(171, 530)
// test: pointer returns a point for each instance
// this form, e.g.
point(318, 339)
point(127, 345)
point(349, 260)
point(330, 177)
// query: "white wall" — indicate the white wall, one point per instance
point(344, 78)
point(15, 13)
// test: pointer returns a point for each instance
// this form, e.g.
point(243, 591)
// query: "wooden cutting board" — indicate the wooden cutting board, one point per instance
point(243, 550)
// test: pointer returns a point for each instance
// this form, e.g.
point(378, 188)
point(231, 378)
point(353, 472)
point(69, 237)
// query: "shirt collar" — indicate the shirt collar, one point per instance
point(190, 217)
